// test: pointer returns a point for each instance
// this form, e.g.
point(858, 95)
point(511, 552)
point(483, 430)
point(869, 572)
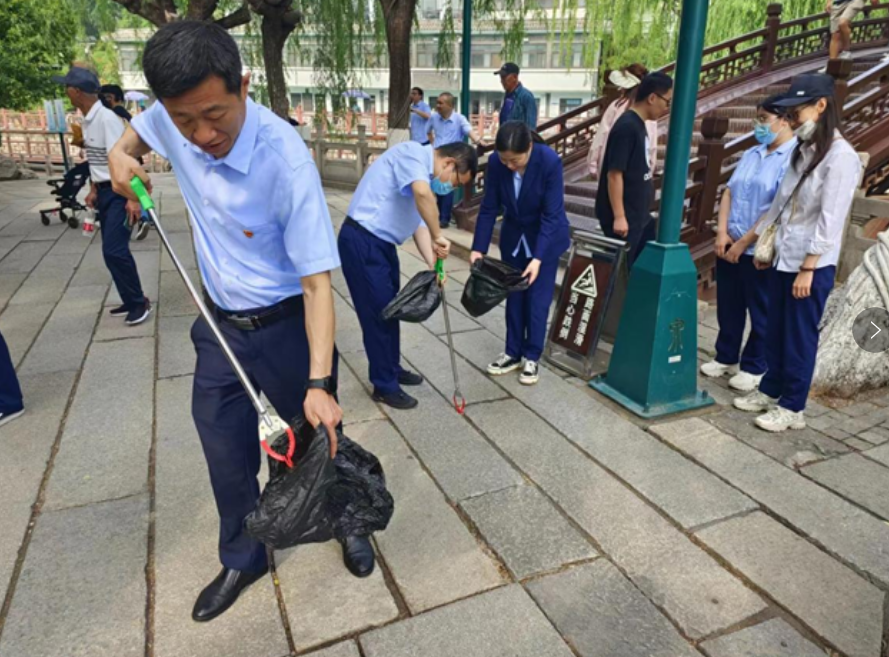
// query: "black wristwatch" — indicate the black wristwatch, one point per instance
point(326, 384)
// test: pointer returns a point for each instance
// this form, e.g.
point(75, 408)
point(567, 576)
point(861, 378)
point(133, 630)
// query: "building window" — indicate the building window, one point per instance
point(128, 56)
point(534, 55)
point(568, 104)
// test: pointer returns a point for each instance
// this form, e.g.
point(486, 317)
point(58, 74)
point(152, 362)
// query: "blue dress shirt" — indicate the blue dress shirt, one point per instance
point(418, 123)
point(449, 130)
point(259, 216)
point(754, 184)
point(384, 201)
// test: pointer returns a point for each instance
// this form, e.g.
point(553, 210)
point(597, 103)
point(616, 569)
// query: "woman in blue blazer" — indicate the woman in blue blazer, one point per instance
point(524, 179)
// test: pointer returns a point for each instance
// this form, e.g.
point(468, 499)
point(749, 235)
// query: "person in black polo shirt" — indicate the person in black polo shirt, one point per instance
point(626, 191)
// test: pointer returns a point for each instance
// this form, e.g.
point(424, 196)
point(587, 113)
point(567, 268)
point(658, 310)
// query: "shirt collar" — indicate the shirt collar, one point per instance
point(93, 111)
point(514, 91)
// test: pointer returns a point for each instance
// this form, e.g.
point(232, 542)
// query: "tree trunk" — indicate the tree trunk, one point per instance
point(843, 368)
point(274, 38)
point(399, 15)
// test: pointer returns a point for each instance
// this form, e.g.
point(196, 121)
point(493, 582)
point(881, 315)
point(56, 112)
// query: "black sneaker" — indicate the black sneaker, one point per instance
point(406, 378)
point(504, 365)
point(139, 314)
point(530, 373)
point(120, 311)
point(142, 230)
point(400, 400)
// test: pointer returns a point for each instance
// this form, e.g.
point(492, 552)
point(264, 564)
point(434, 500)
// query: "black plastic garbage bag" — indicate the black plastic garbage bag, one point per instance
point(490, 282)
point(319, 499)
point(416, 301)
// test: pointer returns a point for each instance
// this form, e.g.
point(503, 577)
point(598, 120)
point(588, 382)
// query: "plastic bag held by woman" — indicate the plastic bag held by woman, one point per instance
point(490, 282)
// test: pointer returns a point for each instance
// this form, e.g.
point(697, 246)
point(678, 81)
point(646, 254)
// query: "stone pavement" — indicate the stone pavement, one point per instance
point(544, 523)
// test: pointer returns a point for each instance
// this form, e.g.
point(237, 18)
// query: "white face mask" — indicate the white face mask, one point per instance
point(806, 130)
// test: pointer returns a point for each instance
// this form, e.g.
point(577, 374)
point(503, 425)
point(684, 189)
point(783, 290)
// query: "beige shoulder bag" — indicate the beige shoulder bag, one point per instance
point(764, 250)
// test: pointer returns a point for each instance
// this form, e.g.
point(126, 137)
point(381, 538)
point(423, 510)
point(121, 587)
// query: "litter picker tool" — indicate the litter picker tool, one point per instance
point(458, 398)
point(270, 425)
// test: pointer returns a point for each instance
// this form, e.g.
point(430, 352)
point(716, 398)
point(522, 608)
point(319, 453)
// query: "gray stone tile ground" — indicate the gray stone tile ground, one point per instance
point(498, 514)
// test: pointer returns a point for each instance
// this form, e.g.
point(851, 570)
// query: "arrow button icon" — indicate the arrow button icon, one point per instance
point(878, 330)
point(870, 330)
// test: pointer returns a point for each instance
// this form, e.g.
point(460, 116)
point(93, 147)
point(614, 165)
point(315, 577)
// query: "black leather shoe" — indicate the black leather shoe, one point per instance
point(406, 378)
point(358, 555)
point(222, 593)
point(400, 400)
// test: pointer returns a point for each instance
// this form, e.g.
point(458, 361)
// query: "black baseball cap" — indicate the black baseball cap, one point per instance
point(807, 88)
point(508, 69)
point(79, 78)
point(771, 105)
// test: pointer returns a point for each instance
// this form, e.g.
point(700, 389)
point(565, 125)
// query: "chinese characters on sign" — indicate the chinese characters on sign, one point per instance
point(581, 304)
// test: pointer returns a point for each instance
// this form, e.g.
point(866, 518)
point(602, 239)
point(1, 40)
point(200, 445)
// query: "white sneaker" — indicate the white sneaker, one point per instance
point(846, 54)
point(781, 419)
point(756, 402)
point(504, 365)
point(714, 369)
point(745, 381)
point(885, 58)
point(529, 375)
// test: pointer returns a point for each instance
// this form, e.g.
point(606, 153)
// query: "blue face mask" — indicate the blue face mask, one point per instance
point(764, 134)
point(440, 187)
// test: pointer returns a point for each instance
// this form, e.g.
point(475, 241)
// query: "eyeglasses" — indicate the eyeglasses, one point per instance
point(757, 123)
point(794, 112)
point(667, 101)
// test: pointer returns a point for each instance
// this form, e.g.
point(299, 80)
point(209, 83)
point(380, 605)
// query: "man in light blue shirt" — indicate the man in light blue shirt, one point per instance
point(265, 248)
point(396, 199)
point(420, 113)
point(448, 126)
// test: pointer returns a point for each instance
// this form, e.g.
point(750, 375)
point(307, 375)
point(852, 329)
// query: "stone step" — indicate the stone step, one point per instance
point(585, 189)
point(580, 205)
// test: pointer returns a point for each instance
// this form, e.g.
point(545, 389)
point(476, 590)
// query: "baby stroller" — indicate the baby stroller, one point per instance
point(66, 190)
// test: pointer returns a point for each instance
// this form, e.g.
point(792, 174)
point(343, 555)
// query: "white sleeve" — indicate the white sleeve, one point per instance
point(113, 128)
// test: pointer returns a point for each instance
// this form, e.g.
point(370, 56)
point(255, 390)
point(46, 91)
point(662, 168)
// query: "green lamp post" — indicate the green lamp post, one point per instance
point(653, 369)
point(466, 57)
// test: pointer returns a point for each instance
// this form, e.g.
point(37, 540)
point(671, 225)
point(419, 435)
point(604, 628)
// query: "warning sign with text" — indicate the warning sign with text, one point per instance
point(581, 304)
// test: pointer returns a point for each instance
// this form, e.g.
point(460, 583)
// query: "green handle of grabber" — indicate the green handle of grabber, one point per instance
point(142, 193)
point(439, 269)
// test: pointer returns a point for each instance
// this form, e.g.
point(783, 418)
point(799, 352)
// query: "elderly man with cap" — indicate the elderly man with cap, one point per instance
point(102, 128)
point(519, 103)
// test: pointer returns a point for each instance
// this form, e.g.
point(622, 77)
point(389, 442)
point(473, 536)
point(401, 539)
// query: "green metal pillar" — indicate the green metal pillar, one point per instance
point(653, 369)
point(466, 57)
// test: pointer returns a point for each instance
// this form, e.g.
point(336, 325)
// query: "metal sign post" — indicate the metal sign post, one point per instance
point(594, 267)
point(653, 369)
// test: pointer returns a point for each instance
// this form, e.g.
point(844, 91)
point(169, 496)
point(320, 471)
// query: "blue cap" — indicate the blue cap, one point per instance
point(79, 78)
point(807, 88)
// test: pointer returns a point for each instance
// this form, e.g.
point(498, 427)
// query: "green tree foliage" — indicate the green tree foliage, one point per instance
point(36, 41)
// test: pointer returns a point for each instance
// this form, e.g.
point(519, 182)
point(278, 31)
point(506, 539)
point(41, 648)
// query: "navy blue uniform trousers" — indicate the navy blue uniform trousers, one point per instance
point(276, 358)
point(10, 391)
point(527, 311)
point(372, 272)
point(792, 336)
point(445, 208)
point(112, 211)
point(741, 289)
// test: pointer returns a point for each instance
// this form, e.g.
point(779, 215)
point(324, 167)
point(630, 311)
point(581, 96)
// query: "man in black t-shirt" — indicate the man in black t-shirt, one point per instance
point(626, 191)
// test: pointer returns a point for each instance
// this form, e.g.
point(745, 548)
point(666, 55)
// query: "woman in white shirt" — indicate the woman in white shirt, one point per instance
point(810, 211)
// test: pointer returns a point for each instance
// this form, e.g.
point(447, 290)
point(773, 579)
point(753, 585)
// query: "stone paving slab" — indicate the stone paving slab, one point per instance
point(463, 463)
point(774, 638)
point(25, 447)
point(183, 247)
point(111, 329)
point(792, 448)
point(9, 285)
point(502, 623)
point(71, 242)
point(7, 244)
point(48, 281)
point(356, 403)
point(459, 321)
point(344, 649)
point(831, 599)
point(349, 337)
point(433, 558)
point(104, 449)
point(601, 614)
point(66, 336)
point(81, 592)
point(843, 529)
point(527, 531)
point(857, 479)
point(176, 356)
point(149, 275)
point(92, 270)
point(879, 454)
point(24, 257)
point(185, 549)
point(174, 297)
point(325, 601)
point(679, 577)
point(20, 325)
point(684, 491)
point(433, 358)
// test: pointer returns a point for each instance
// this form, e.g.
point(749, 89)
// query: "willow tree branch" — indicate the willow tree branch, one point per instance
point(239, 17)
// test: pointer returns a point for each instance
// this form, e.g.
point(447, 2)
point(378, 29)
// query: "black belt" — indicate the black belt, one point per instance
point(351, 222)
point(103, 185)
point(257, 318)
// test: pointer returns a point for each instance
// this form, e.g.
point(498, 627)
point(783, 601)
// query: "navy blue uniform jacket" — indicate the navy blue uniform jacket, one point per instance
point(538, 213)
